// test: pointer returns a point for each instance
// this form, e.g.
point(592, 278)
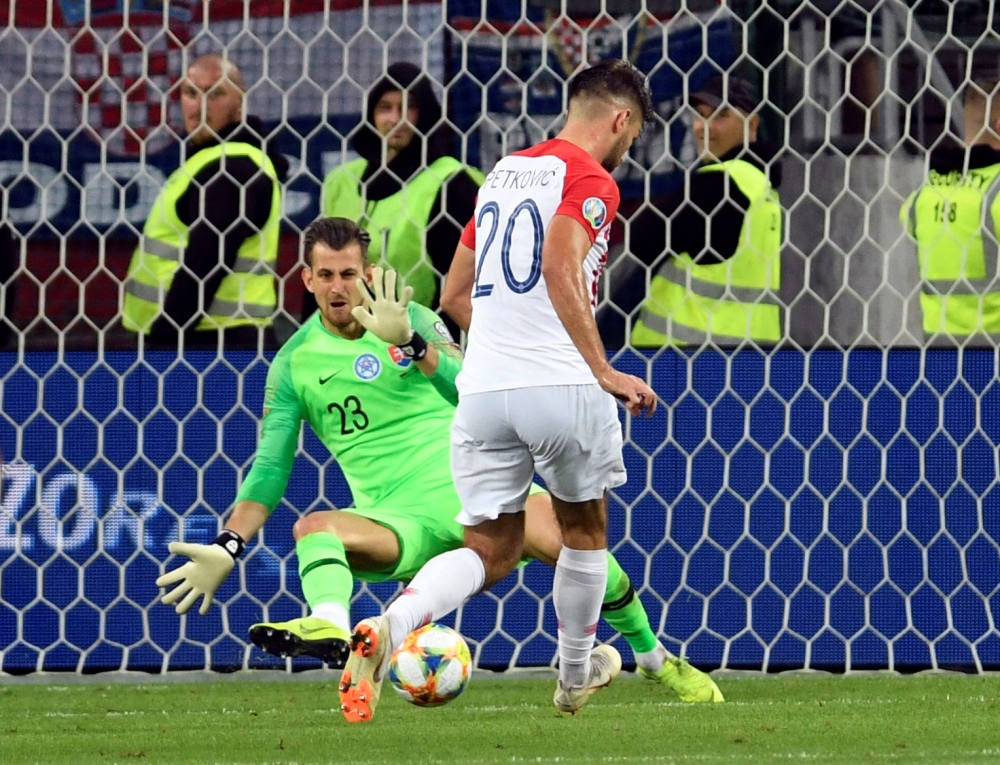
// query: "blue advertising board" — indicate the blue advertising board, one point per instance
point(782, 510)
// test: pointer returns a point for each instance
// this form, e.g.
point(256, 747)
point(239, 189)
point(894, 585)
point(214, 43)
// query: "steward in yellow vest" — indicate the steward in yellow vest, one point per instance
point(955, 219)
point(414, 204)
point(205, 261)
point(714, 248)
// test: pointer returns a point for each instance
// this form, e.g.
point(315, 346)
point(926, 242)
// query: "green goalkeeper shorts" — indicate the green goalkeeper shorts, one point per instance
point(421, 535)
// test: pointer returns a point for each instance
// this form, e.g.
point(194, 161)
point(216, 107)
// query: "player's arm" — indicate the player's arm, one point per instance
point(209, 565)
point(267, 480)
point(248, 517)
point(566, 246)
point(447, 356)
point(456, 299)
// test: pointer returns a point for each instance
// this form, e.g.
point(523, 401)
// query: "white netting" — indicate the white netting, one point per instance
point(831, 503)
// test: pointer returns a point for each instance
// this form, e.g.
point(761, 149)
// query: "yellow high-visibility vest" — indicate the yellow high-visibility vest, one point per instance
point(398, 223)
point(246, 296)
point(726, 303)
point(953, 218)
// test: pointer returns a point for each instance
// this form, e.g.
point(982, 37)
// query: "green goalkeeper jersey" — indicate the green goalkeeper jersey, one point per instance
point(383, 420)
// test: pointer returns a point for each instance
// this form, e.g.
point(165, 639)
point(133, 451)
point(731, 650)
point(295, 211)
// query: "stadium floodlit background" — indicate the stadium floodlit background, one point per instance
point(830, 504)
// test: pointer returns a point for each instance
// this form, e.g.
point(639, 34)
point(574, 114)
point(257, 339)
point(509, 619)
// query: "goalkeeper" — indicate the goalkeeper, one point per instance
point(375, 378)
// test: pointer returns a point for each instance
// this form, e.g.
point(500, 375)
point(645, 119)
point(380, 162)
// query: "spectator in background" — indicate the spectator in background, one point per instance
point(955, 219)
point(407, 190)
point(714, 248)
point(205, 262)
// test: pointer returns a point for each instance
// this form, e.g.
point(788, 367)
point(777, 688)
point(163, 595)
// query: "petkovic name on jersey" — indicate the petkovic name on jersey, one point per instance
point(518, 179)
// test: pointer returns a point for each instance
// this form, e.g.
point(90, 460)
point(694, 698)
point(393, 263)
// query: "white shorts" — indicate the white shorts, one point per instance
point(569, 434)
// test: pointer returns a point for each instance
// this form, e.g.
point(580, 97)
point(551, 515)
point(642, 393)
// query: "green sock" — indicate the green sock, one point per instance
point(323, 570)
point(623, 610)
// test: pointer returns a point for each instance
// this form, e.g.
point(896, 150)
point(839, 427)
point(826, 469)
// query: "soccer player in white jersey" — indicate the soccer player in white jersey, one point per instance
point(534, 390)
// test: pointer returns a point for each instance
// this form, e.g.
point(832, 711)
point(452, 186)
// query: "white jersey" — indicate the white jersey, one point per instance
point(516, 339)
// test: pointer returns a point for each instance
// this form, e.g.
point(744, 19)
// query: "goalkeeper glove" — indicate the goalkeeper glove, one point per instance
point(202, 575)
point(386, 317)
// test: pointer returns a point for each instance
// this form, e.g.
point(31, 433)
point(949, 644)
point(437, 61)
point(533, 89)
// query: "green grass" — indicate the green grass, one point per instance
point(857, 719)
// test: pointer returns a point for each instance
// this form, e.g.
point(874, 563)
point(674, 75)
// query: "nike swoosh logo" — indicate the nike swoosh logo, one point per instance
point(325, 380)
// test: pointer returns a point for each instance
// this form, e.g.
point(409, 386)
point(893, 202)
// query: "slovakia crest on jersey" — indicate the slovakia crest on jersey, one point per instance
point(595, 211)
point(367, 366)
point(399, 358)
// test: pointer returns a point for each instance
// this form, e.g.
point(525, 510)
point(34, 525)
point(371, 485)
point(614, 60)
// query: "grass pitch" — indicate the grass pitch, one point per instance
point(855, 719)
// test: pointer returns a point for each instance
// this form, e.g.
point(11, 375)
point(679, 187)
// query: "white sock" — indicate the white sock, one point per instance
point(334, 613)
point(441, 586)
point(652, 661)
point(580, 582)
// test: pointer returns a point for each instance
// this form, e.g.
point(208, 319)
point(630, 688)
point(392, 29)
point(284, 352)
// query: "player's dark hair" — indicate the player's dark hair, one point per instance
point(336, 233)
point(612, 80)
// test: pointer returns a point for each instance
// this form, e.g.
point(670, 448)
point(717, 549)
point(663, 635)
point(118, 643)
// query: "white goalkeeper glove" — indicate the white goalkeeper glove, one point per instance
point(203, 574)
point(380, 312)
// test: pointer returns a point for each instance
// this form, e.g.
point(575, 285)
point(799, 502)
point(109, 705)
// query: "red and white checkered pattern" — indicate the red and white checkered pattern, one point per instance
point(566, 36)
point(601, 37)
point(127, 78)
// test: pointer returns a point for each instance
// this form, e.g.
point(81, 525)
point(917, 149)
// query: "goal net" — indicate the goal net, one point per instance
point(831, 503)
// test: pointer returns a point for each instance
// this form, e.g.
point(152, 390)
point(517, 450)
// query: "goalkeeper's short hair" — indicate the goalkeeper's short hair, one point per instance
point(336, 233)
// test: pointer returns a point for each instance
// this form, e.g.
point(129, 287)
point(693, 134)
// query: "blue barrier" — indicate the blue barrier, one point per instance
point(826, 509)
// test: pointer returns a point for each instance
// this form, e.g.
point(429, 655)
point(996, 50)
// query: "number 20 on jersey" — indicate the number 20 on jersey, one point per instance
point(490, 214)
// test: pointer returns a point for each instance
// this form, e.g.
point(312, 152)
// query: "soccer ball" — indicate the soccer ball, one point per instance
point(432, 667)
